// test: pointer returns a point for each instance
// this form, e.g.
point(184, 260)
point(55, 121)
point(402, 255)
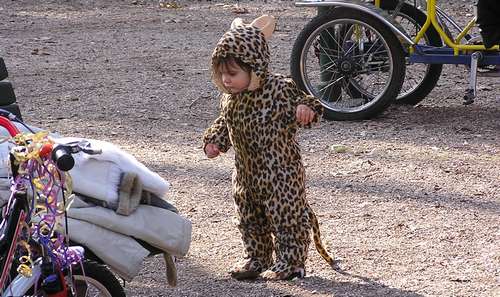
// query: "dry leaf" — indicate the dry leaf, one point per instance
point(239, 10)
point(169, 5)
point(339, 148)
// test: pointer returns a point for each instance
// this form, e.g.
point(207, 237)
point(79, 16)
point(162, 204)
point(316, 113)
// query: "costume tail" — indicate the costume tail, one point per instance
point(317, 240)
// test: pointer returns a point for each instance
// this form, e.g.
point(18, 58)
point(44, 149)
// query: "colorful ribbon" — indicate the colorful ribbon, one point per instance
point(49, 189)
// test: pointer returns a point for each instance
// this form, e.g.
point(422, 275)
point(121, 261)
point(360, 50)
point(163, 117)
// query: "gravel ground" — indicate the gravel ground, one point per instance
point(412, 208)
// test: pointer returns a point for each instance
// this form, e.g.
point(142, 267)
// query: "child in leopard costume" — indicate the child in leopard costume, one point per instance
point(260, 115)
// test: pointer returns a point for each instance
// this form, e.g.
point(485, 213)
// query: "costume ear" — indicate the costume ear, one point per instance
point(266, 24)
point(236, 22)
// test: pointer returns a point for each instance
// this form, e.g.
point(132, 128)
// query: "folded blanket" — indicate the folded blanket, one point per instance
point(97, 176)
point(120, 262)
point(150, 180)
point(97, 179)
point(124, 255)
point(159, 227)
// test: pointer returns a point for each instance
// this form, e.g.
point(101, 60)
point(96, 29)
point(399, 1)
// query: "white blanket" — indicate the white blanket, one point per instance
point(159, 227)
point(98, 176)
point(86, 168)
point(122, 253)
point(96, 179)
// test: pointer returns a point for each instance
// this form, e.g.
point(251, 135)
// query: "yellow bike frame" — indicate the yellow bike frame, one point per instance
point(454, 44)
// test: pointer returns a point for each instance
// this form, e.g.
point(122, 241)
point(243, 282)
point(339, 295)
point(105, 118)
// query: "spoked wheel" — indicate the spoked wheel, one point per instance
point(351, 61)
point(96, 280)
point(420, 79)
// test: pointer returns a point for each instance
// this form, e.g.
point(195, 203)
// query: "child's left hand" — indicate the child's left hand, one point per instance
point(304, 114)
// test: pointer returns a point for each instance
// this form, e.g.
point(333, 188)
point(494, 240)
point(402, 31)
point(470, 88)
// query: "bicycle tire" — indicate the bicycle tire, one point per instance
point(99, 276)
point(395, 50)
point(432, 38)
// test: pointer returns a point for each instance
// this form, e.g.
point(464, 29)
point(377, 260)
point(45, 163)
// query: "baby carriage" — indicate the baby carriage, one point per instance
point(118, 214)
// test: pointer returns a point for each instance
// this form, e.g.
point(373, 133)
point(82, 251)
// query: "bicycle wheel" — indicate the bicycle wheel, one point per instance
point(351, 61)
point(96, 280)
point(420, 79)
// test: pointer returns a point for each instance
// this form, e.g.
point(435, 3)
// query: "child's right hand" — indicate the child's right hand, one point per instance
point(304, 114)
point(212, 150)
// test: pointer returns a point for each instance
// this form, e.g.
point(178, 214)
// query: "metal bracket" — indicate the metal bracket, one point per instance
point(470, 93)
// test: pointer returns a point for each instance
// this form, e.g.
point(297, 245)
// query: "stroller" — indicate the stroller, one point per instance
point(119, 213)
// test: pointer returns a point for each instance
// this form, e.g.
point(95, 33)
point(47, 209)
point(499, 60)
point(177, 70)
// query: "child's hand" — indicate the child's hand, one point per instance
point(304, 114)
point(212, 150)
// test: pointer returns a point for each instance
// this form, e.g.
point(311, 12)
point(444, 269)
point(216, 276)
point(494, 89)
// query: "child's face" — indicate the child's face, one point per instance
point(234, 78)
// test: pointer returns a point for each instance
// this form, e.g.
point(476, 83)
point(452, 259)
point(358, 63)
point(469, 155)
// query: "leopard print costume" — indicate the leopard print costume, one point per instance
point(269, 178)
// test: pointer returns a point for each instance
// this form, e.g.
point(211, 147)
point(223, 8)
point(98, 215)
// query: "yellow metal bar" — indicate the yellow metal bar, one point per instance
point(465, 30)
point(377, 3)
point(455, 45)
point(475, 47)
point(431, 13)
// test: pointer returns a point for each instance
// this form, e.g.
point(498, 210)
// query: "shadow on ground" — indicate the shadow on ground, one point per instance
point(191, 273)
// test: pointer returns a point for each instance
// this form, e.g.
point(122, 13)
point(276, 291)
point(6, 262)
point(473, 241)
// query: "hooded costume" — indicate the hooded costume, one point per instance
point(268, 181)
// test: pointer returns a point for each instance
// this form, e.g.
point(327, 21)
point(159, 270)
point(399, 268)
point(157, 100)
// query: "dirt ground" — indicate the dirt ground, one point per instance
point(411, 209)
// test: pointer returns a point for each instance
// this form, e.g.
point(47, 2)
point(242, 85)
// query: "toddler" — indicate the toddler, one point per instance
point(260, 115)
